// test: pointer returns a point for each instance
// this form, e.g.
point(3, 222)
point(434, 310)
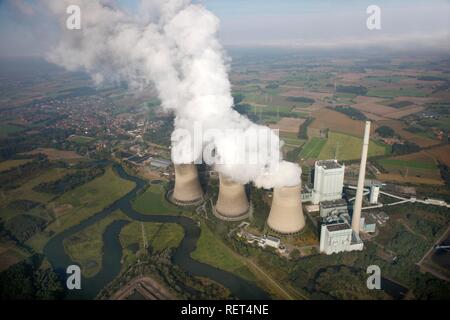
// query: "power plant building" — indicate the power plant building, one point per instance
point(187, 186)
point(338, 237)
point(232, 203)
point(335, 208)
point(286, 214)
point(336, 233)
point(328, 181)
point(374, 193)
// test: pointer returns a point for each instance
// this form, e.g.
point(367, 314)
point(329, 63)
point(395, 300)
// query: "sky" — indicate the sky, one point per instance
point(405, 24)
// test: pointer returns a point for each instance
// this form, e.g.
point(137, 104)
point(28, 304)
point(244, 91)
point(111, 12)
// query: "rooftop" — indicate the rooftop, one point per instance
point(328, 164)
point(333, 203)
point(338, 227)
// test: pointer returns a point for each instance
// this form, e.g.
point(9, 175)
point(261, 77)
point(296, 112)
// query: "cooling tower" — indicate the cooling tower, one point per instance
point(187, 186)
point(360, 188)
point(286, 214)
point(232, 203)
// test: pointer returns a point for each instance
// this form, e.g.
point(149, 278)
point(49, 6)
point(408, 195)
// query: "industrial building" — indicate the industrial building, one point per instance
point(374, 193)
point(336, 234)
point(232, 203)
point(286, 213)
point(334, 207)
point(328, 181)
point(338, 237)
point(187, 189)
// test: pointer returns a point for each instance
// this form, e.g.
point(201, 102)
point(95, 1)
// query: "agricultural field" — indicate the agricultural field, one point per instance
point(25, 190)
point(6, 165)
point(288, 124)
point(337, 122)
point(54, 154)
point(80, 203)
point(291, 139)
point(388, 92)
point(347, 147)
point(10, 254)
point(7, 128)
point(441, 154)
point(400, 127)
point(420, 167)
point(92, 197)
point(312, 148)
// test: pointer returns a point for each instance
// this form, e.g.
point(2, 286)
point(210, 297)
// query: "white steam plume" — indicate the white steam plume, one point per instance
point(173, 45)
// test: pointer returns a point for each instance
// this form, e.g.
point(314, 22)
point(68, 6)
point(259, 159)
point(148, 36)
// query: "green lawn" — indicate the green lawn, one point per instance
point(407, 163)
point(153, 201)
point(213, 251)
point(312, 148)
point(346, 147)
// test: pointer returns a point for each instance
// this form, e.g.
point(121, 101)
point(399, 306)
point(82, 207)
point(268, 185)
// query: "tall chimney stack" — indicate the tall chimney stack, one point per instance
point(286, 214)
point(187, 186)
point(362, 174)
point(232, 203)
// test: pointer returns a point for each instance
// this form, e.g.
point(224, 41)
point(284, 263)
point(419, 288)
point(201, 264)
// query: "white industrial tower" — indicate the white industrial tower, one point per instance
point(328, 181)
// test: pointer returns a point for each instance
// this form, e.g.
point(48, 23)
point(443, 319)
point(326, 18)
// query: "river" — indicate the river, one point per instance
point(112, 250)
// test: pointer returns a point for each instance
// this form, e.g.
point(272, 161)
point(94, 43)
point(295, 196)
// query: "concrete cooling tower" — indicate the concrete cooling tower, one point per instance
point(187, 186)
point(232, 203)
point(286, 214)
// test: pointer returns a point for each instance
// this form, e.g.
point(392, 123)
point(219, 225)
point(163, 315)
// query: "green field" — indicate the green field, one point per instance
point(153, 201)
point(346, 147)
point(442, 123)
point(213, 251)
point(85, 247)
point(392, 93)
point(291, 139)
point(158, 236)
point(81, 139)
point(6, 128)
point(81, 203)
point(6, 165)
point(90, 198)
point(312, 148)
point(389, 79)
point(11, 254)
point(26, 192)
point(407, 163)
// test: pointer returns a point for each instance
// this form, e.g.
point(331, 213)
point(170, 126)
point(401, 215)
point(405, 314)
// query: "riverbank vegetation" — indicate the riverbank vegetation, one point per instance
point(159, 266)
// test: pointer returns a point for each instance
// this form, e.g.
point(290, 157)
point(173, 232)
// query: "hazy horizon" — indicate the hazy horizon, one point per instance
point(27, 30)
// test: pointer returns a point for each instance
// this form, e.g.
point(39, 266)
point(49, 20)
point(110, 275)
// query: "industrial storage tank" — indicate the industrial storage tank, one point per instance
point(187, 186)
point(232, 202)
point(286, 215)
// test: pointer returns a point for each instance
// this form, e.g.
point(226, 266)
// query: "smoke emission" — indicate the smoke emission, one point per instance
point(171, 44)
